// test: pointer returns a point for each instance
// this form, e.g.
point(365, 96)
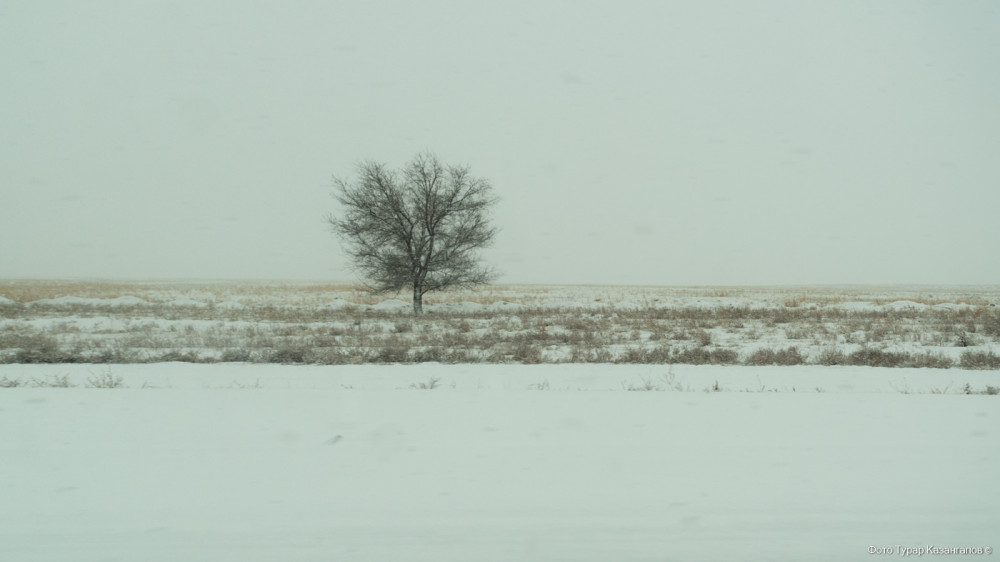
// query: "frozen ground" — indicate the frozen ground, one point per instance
point(513, 423)
point(105, 322)
point(240, 462)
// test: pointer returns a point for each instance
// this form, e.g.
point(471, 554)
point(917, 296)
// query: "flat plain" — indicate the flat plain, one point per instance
point(261, 421)
point(308, 323)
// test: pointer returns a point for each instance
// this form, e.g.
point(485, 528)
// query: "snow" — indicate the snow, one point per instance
point(503, 305)
point(905, 305)
point(339, 304)
point(392, 305)
point(5, 301)
point(454, 307)
point(184, 301)
point(87, 301)
point(859, 306)
point(237, 462)
point(951, 306)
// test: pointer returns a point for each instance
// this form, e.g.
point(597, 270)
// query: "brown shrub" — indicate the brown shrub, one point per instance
point(788, 356)
point(980, 360)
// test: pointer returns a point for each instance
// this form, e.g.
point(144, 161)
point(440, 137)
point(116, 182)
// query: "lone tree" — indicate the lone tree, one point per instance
point(420, 227)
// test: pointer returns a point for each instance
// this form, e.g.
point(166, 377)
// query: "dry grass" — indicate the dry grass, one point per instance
point(289, 323)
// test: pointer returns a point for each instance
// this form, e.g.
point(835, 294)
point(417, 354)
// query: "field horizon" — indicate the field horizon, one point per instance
point(254, 422)
point(301, 322)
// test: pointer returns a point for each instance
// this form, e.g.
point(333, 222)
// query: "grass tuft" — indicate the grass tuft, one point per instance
point(105, 380)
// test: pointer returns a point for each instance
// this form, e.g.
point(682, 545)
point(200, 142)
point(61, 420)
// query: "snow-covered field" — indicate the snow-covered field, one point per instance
point(937, 327)
point(234, 462)
point(495, 459)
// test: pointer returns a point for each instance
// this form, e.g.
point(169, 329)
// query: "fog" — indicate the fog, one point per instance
point(630, 142)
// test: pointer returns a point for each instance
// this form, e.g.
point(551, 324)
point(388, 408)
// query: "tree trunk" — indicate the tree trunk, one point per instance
point(418, 297)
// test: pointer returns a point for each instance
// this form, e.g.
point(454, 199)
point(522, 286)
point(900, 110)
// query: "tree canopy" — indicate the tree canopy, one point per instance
point(420, 227)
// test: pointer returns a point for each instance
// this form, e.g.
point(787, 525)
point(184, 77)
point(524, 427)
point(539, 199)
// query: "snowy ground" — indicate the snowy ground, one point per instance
point(240, 462)
point(105, 322)
point(513, 423)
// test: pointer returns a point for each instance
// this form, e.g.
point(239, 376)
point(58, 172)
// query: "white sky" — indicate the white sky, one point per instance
point(654, 142)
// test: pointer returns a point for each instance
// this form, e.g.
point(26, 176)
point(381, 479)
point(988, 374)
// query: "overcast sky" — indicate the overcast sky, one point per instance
point(655, 143)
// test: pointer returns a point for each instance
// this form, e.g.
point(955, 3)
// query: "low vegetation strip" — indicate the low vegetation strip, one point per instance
point(304, 324)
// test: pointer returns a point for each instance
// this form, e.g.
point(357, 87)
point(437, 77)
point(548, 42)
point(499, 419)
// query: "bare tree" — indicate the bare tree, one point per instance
point(420, 227)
